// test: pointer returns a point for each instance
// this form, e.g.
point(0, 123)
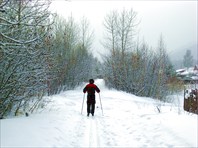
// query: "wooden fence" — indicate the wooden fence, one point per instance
point(191, 100)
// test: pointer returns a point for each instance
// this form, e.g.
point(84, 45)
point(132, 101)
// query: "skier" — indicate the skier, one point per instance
point(90, 89)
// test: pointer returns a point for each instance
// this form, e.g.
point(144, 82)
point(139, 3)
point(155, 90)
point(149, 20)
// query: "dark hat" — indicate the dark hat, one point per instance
point(91, 81)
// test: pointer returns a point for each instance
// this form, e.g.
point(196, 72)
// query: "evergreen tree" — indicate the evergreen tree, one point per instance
point(188, 59)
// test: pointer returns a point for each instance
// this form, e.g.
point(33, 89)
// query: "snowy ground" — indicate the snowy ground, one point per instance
point(128, 121)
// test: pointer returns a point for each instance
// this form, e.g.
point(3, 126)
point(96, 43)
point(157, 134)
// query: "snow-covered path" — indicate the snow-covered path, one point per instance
point(128, 121)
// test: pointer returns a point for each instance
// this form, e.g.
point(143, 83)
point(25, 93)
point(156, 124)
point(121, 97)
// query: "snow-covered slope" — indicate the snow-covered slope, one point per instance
point(128, 121)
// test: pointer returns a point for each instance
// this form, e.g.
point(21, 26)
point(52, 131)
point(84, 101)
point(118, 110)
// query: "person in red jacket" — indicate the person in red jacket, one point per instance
point(90, 89)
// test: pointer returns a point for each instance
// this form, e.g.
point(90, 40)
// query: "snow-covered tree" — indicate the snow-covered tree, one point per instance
point(23, 27)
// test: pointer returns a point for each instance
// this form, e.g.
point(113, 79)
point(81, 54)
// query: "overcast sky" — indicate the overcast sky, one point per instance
point(175, 20)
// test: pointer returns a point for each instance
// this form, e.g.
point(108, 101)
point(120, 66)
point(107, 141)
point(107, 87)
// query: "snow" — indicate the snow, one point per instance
point(180, 70)
point(188, 71)
point(128, 121)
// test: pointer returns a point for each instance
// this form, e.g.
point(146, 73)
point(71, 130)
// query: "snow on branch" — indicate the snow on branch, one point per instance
point(18, 41)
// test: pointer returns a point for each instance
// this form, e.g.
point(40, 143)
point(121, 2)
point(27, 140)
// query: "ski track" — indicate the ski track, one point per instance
point(93, 137)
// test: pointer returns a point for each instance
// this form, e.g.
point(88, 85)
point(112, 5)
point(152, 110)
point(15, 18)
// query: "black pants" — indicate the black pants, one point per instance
point(90, 108)
point(91, 104)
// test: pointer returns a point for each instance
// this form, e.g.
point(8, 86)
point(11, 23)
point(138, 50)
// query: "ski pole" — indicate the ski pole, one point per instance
point(101, 104)
point(83, 103)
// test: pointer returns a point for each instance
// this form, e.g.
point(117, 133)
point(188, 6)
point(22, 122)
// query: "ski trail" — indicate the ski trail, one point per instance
point(97, 132)
point(93, 134)
point(91, 138)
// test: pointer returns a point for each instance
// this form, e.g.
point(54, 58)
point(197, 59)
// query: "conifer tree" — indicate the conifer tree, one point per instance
point(188, 59)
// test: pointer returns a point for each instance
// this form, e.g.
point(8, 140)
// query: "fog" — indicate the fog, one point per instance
point(175, 20)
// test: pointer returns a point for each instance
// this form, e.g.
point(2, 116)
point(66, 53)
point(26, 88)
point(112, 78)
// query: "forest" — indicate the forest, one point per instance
point(43, 54)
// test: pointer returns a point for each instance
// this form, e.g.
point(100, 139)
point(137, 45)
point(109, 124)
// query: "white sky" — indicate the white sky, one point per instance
point(176, 20)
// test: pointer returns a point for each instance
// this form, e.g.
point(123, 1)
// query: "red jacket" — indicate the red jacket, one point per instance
point(90, 89)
